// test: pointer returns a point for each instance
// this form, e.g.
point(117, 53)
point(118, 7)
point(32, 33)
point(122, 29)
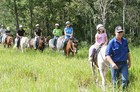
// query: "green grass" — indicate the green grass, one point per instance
point(33, 71)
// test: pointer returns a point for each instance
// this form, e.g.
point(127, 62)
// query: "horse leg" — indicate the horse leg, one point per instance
point(67, 53)
point(94, 71)
point(101, 70)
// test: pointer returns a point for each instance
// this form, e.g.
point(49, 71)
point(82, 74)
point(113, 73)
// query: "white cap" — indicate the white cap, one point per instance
point(68, 22)
point(37, 25)
point(99, 25)
point(8, 28)
point(56, 24)
point(20, 26)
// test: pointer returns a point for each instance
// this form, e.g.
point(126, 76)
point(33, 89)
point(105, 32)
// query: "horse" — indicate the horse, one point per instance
point(40, 43)
point(51, 45)
point(47, 38)
point(7, 40)
point(60, 43)
point(23, 43)
point(71, 46)
point(102, 65)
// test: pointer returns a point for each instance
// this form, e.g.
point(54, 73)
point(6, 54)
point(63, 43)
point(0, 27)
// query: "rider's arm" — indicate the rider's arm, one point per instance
point(17, 34)
point(54, 33)
point(34, 33)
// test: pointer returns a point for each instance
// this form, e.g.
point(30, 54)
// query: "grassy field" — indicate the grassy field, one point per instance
point(50, 71)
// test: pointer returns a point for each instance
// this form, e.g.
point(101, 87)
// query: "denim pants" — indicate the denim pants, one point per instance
point(115, 73)
point(55, 40)
point(35, 42)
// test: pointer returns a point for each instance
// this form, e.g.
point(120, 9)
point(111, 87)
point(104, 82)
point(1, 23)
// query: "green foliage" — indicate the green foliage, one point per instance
point(84, 15)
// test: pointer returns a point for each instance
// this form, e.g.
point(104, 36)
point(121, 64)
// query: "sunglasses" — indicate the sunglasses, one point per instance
point(120, 32)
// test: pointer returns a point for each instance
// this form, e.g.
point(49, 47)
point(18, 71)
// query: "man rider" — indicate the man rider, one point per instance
point(20, 33)
point(56, 32)
point(37, 33)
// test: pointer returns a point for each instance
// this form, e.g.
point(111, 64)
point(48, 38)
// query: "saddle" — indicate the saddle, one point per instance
point(96, 52)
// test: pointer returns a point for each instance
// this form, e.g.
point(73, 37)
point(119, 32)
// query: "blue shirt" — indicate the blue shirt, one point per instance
point(117, 51)
point(68, 30)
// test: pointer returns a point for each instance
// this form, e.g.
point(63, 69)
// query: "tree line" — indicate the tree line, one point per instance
point(84, 15)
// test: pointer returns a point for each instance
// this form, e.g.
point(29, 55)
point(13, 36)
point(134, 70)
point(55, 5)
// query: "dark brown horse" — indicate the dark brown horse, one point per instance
point(40, 43)
point(8, 41)
point(71, 46)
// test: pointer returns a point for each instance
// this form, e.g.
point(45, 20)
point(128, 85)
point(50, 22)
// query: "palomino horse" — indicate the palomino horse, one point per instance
point(103, 65)
point(7, 40)
point(71, 46)
point(40, 43)
point(23, 43)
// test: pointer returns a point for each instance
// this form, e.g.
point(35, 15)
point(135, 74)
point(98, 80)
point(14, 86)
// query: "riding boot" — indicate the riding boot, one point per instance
point(18, 43)
point(6, 40)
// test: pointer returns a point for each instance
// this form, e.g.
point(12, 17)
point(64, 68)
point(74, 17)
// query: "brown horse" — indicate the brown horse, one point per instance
point(71, 46)
point(40, 43)
point(8, 41)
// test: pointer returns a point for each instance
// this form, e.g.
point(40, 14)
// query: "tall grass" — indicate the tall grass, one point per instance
point(33, 71)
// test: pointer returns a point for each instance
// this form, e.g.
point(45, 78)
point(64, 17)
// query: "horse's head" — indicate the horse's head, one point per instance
point(41, 43)
point(74, 45)
point(47, 38)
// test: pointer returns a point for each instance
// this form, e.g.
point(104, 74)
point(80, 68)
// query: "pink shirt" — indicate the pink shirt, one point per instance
point(101, 38)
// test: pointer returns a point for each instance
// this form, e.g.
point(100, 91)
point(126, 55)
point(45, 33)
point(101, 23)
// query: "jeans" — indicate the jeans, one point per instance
point(35, 42)
point(55, 40)
point(115, 73)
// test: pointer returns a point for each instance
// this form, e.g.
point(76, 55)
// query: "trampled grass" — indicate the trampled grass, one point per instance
point(50, 71)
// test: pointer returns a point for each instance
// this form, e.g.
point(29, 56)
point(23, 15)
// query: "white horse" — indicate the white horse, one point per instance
point(24, 42)
point(3, 38)
point(51, 45)
point(60, 43)
point(103, 65)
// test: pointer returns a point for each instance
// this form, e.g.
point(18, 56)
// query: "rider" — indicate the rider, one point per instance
point(56, 32)
point(37, 33)
point(100, 39)
point(20, 33)
point(7, 33)
point(2, 32)
point(68, 32)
